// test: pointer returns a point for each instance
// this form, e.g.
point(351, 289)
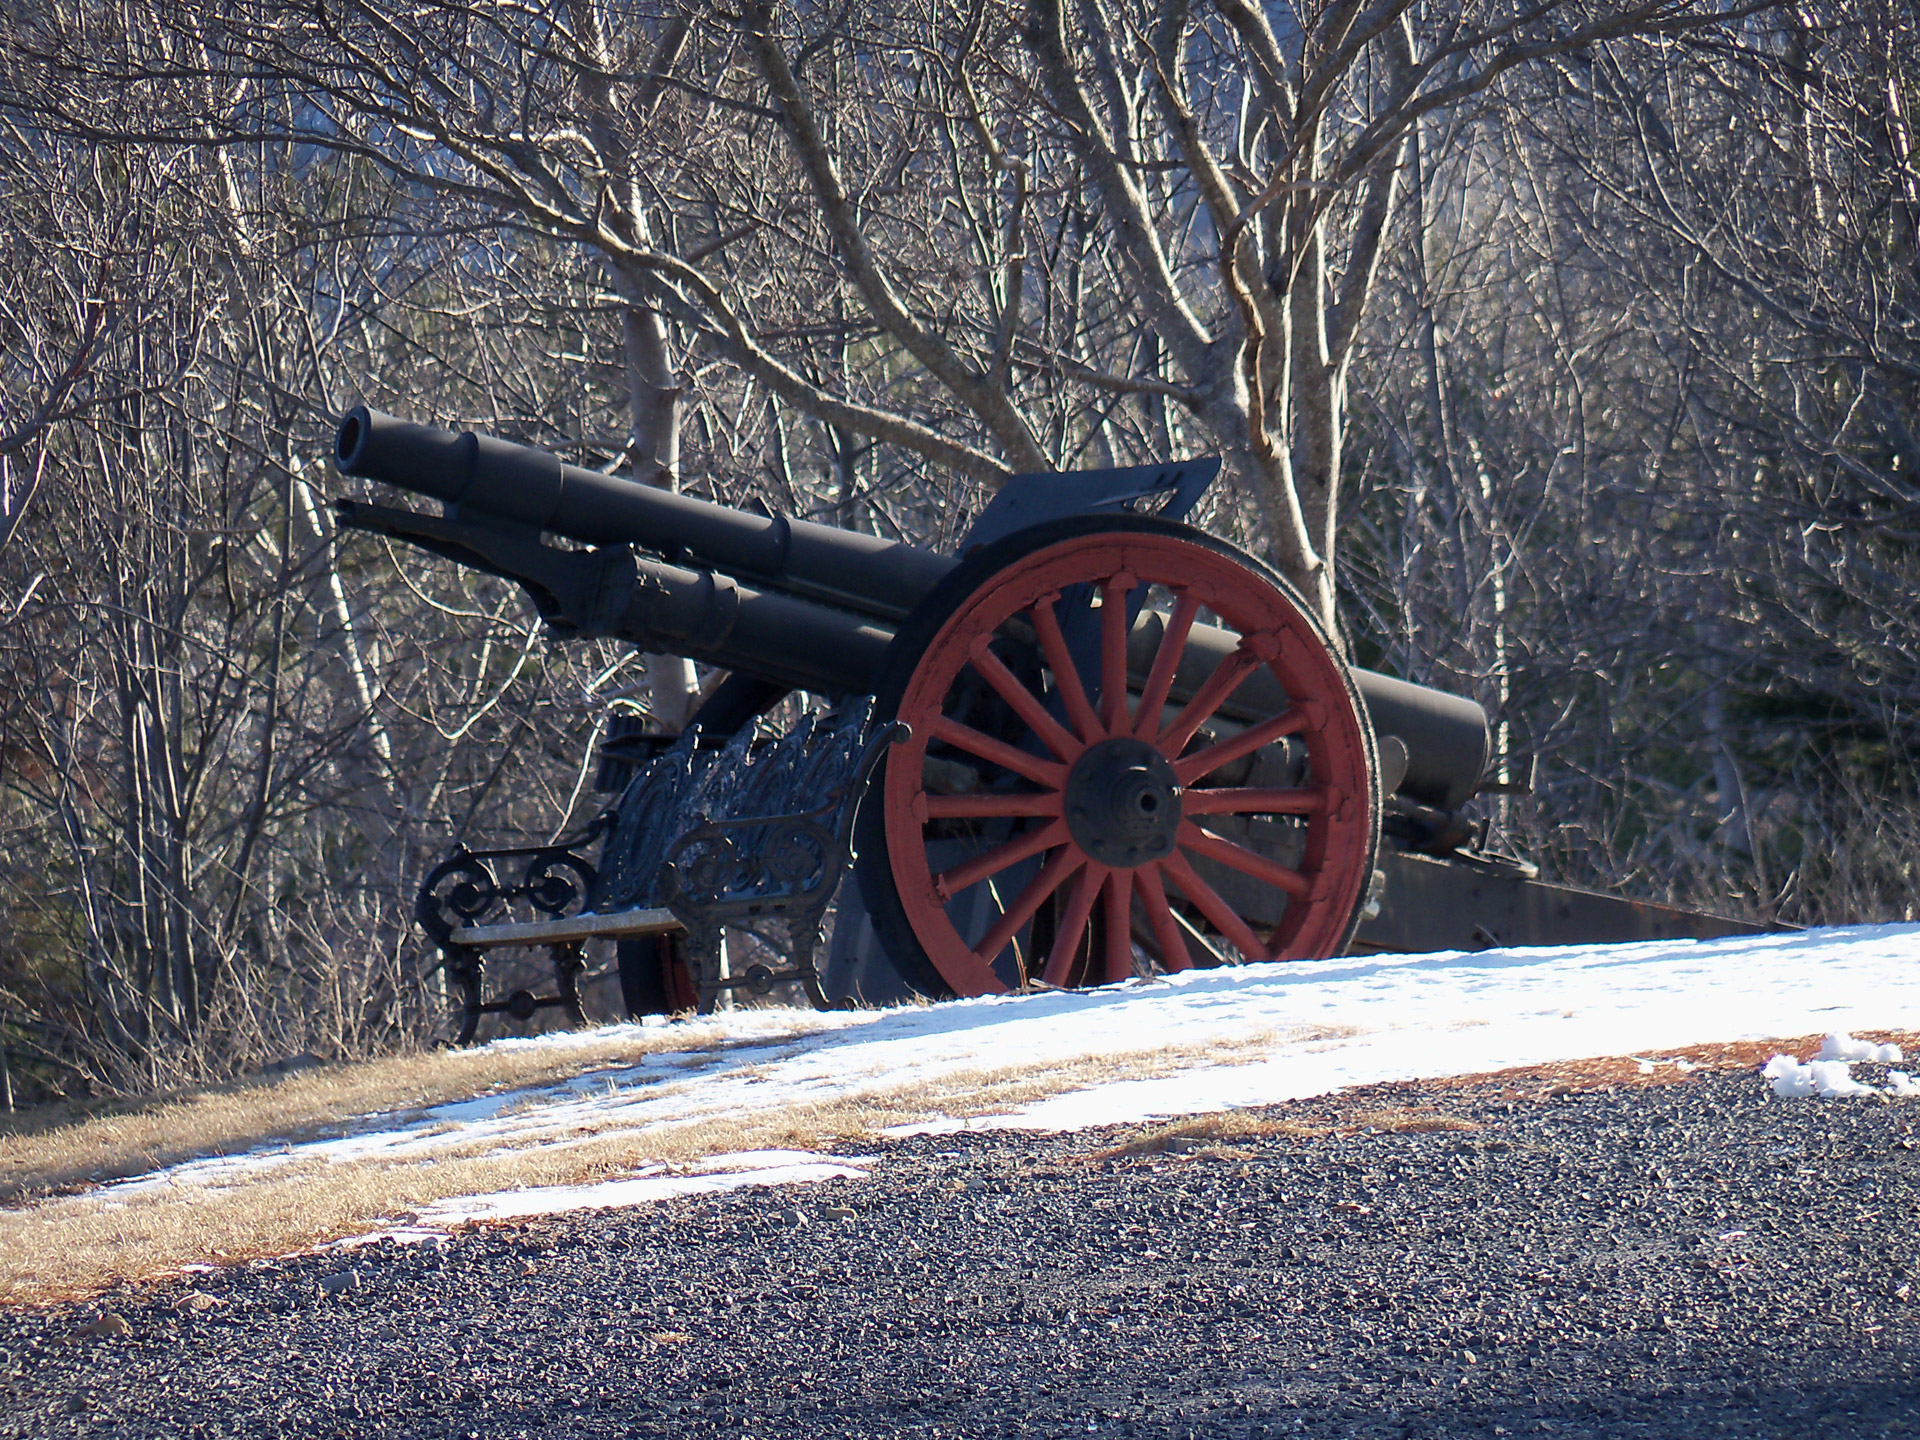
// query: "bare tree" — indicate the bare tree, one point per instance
point(960, 182)
point(1642, 488)
point(226, 761)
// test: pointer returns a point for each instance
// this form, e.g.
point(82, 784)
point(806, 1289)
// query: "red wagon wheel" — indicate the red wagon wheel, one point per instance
point(1080, 802)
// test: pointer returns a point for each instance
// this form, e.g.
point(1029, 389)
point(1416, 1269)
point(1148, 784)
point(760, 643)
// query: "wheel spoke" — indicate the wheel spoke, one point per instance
point(1211, 696)
point(1246, 861)
point(1166, 661)
point(1286, 800)
point(1119, 925)
point(1052, 876)
point(1113, 651)
point(1024, 702)
point(1195, 936)
point(1072, 927)
point(1224, 917)
point(1066, 674)
point(1038, 769)
point(949, 883)
point(992, 806)
point(1201, 763)
point(1153, 898)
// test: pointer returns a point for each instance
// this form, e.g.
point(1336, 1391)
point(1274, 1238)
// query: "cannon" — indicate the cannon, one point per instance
point(1096, 743)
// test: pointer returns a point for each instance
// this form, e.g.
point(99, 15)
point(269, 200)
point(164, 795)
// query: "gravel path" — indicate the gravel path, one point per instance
point(1688, 1260)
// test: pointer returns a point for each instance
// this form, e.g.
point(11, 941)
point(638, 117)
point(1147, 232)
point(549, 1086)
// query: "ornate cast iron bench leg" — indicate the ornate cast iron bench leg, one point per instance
point(569, 963)
point(803, 941)
point(465, 969)
point(705, 949)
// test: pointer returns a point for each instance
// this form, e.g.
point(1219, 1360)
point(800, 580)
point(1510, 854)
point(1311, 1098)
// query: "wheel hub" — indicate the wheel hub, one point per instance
point(1122, 803)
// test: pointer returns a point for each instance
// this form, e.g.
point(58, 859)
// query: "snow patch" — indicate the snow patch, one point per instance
point(1845, 1047)
point(1829, 1079)
point(1830, 1073)
point(640, 1189)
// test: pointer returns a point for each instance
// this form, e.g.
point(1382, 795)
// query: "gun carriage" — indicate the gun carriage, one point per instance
point(1096, 743)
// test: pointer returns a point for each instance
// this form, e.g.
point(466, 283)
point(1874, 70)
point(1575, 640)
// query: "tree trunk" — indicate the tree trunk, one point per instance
point(655, 402)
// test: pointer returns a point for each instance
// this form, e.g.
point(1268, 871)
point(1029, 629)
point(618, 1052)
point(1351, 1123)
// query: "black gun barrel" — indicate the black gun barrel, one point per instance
point(530, 486)
point(764, 633)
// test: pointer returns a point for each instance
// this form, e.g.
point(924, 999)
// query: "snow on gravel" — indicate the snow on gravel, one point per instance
point(654, 1182)
point(1845, 1047)
point(1830, 1073)
point(1294, 1031)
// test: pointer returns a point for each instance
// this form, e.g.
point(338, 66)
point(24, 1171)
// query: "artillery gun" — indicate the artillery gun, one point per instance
point(1096, 743)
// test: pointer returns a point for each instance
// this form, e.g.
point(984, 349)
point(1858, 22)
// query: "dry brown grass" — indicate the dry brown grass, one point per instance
point(1403, 1120)
point(1214, 1136)
point(1198, 1134)
point(77, 1244)
point(46, 1154)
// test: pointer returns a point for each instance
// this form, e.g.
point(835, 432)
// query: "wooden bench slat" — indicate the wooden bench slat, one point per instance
point(571, 927)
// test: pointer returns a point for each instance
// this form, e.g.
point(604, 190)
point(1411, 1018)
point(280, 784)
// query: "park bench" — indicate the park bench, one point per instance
point(710, 832)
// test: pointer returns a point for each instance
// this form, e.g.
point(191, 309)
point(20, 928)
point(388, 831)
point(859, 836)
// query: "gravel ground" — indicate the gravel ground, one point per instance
point(1685, 1260)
